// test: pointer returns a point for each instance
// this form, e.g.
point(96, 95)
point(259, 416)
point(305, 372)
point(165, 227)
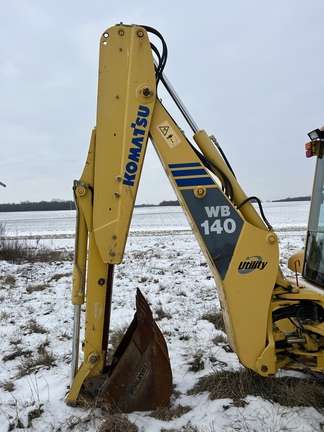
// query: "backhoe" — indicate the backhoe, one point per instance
point(271, 322)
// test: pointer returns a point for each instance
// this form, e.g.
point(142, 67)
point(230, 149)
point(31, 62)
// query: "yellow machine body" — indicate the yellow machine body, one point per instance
point(270, 321)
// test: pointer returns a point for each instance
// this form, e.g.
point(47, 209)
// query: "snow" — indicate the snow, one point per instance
point(163, 259)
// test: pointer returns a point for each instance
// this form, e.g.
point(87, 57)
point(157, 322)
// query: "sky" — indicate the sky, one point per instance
point(250, 72)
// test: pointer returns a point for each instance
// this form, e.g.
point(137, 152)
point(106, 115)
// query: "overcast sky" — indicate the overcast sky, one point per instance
point(249, 71)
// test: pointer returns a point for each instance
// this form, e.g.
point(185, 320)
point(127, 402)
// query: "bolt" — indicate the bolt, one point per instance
point(101, 281)
point(81, 190)
point(114, 237)
point(200, 191)
point(140, 33)
point(264, 368)
point(112, 253)
point(118, 178)
point(146, 92)
point(121, 32)
point(272, 238)
point(93, 359)
point(117, 195)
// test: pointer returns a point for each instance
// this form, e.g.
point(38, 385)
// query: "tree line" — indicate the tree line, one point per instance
point(37, 206)
point(60, 205)
point(301, 198)
point(57, 204)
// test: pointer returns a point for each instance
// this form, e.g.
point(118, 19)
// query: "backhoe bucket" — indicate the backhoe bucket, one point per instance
point(139, 378)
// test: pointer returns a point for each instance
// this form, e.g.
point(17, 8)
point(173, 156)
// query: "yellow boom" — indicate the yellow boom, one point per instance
point(270, 321)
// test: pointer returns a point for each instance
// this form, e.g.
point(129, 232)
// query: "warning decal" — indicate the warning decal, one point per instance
point(169, 134)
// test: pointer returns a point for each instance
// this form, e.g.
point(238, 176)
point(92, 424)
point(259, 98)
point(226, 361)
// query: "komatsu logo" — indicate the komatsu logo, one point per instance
point(251, 263)
point(137, 142)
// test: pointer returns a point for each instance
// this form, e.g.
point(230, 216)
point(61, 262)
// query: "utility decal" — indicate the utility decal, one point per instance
point(251, 263)
point(139, 130)
point(169, 134)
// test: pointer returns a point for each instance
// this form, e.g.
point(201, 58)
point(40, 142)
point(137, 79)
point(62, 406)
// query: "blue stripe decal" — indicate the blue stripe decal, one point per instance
point(188, 172)
point(184, 165)
point(194, 181)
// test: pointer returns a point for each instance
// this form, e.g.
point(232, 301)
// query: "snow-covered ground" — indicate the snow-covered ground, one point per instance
point(162, 259)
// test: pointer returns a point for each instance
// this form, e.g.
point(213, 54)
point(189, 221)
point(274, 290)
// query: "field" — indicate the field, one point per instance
point(162, 259)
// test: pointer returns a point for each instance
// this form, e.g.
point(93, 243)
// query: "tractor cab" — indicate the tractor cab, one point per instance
point(313, 268)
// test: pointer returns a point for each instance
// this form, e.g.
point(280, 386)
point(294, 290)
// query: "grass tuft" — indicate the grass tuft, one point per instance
point(35, 288)
point(187, 428)
point(286, 391)
point(160, 313)
point(17, 352)
point(197, 363)
point(32, 326)
point(8, 386)
point(32, 364)
point(34, 414)
point(58, 276)
point(170, 413)
point(10, 280)
point(117, 423)
point(216, 318)
point(17, 250)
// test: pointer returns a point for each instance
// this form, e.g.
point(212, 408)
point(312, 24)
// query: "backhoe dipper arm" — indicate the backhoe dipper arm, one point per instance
point(233, 247)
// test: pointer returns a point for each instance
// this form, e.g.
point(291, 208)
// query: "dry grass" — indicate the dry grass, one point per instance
point(170, 413)
point(17, 352)
point(29, 365)
point(32, 326)
point(15, 339)
point(4, 315)
point(34, 414)
point(143, 279)
point(220, 340)
point(8, 386)
point(16, 250)
point(187, 428)
point(216, 318)
point(59, 276)
point(35, 288)
point(10, 280)
point(117, 423)
point(286, 391)
point(160, 313)
point(196, 363)
point(64, 335)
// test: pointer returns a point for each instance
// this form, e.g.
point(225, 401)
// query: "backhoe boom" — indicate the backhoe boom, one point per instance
point(270, 321)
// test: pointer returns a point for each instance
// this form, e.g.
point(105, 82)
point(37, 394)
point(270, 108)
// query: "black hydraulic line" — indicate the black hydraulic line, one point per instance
point(219, 148)
point(162, 58)
point(228, 188)
point(260, 208)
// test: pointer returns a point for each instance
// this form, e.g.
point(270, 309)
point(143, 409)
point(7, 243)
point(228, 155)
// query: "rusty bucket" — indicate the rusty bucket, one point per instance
point(139, 377)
